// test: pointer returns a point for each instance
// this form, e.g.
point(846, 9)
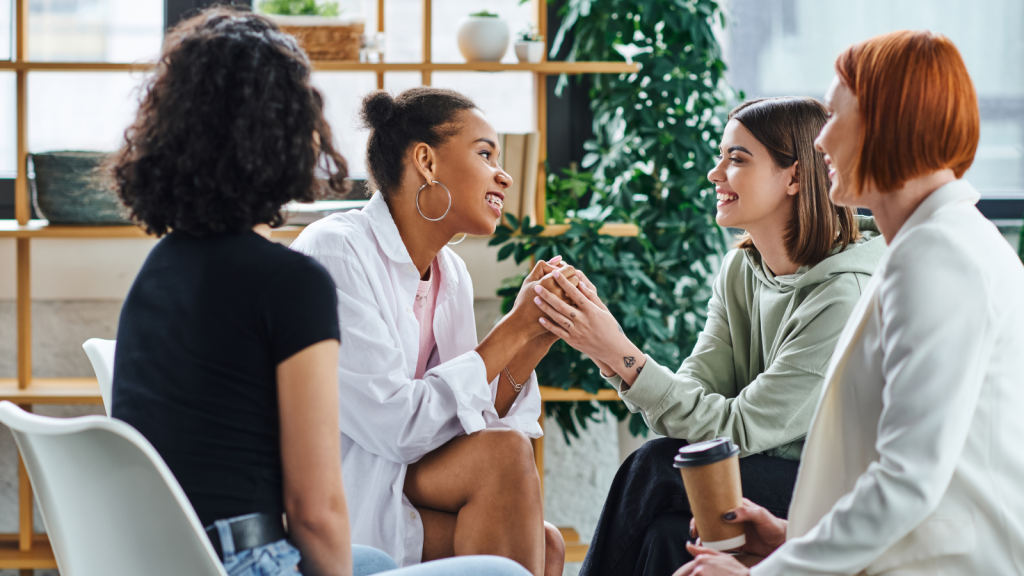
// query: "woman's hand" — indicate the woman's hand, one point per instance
point(708, 562)
point(586, 284)
point(589, 328)
point(542, 276)
point(764, 532)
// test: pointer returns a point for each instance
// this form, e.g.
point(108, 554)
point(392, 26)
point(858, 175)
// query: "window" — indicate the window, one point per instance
point(788, 47)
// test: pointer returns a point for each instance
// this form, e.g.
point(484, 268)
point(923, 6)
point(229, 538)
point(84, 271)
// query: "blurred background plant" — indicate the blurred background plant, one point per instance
point(299, 8)
point(654, 139)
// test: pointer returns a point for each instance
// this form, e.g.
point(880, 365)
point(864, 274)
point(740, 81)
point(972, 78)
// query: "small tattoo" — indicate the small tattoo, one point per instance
point(567, 325)
point(637, 370)
point(572, 314)
point(629, 361)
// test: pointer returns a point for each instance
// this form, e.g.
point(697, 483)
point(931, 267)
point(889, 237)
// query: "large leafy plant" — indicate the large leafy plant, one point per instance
point(655, 133)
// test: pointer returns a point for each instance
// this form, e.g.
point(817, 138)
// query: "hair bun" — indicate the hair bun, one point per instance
point(378, 109)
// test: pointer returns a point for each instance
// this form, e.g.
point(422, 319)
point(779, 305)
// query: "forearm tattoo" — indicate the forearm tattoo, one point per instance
point(629, 361)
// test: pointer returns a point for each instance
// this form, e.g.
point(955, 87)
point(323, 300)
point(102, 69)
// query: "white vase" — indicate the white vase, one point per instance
point(530, 52)
point(483, 39)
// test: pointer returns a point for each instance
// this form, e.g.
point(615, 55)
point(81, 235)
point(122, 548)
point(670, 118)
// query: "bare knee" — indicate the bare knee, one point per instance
point(507, 452)
point(554, 544)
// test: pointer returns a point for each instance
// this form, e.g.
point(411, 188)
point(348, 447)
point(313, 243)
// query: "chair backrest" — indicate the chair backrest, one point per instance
point(101, 355)
point(109, 502)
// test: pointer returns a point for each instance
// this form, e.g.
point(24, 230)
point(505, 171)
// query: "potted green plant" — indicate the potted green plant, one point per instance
point(529, 45)
point(483, 37)
point(318, 26)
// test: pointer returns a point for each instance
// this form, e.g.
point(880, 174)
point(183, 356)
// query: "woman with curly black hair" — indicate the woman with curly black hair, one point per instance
point(228, 342)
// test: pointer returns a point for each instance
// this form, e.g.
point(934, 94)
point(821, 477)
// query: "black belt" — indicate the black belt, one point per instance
point(249, 533)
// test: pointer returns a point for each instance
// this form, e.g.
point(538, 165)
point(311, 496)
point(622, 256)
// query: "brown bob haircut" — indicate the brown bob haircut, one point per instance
point(787, 127)
point(917, 104)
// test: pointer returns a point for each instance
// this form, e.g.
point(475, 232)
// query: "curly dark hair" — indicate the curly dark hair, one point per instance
point(226, 128)
point(421, 114)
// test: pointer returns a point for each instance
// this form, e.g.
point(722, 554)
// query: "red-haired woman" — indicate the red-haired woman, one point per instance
point(913, 462)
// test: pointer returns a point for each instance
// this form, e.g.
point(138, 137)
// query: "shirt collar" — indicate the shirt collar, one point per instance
point(956, 192)
point(384, 228)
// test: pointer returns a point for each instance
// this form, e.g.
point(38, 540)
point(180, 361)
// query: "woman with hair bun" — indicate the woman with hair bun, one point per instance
point(913, 463)
point(435, 426)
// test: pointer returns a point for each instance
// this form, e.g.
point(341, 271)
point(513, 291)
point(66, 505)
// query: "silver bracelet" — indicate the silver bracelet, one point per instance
point(516, 387)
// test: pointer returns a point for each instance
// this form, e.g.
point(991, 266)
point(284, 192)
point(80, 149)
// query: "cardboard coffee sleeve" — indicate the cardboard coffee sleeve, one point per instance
point(711, 473)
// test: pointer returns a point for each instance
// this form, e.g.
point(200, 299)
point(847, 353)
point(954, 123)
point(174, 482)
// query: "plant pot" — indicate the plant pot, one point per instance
point(483, 39)
point(68, 189)
point(530, 52)
point(324, 38)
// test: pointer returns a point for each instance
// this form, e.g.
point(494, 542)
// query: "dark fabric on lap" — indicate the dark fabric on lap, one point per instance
point(645, 522)
point(202, 331)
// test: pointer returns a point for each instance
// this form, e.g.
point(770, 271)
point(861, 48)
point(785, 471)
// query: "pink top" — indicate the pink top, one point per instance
point(426, 298)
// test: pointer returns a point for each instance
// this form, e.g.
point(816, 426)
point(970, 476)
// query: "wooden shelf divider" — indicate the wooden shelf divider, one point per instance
point(547, 67)
point(40, 229)
point(27, 551)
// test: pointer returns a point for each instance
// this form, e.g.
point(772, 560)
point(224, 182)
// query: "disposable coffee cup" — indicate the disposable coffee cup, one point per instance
point(711, 474)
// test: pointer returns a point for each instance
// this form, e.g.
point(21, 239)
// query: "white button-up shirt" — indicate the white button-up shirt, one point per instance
point(389, 419)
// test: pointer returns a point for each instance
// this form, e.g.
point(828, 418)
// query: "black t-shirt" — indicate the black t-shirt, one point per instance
point(202, 331)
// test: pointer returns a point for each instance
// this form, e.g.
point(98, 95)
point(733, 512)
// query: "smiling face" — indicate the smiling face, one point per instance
point(840, 141)
point(754, 194)
point(467, 163)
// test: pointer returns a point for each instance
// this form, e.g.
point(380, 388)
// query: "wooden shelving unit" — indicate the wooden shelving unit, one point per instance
point(27, 551)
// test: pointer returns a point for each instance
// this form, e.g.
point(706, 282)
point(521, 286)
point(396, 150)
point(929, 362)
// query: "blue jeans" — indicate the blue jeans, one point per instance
point(282, 559)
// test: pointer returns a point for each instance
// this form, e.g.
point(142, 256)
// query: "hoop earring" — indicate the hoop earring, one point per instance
point(464, 234)
point(418, 201)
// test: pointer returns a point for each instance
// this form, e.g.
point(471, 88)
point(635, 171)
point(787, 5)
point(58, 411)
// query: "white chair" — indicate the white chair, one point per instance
point(101, 355)
point(109, 502)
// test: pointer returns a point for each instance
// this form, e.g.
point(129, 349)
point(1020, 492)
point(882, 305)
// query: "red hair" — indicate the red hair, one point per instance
point(917, 104)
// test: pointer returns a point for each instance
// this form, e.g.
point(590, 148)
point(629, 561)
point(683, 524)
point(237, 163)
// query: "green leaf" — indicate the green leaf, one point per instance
point(506, 251)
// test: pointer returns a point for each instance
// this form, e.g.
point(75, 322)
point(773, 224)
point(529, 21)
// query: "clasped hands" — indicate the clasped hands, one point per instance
point(558, 301)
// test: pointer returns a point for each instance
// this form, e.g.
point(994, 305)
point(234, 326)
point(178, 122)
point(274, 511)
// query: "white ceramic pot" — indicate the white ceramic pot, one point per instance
point(531, 52)
point(483, 39)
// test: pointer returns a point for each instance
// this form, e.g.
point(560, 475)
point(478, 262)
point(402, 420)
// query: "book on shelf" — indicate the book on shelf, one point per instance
point(519, 156)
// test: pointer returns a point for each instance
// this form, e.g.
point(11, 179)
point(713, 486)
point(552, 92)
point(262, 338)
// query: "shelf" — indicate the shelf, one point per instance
point(548, 67)
point(42, 229)
point(40, 557)
point(52, 391)
point(620, 230)
point(87, 391)
point(552, 394)
point(575, 551)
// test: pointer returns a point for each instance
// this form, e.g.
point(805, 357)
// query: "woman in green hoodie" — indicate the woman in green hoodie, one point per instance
point(777, 308)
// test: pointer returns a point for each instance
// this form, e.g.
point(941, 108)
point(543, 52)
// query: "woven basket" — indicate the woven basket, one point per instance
point(324, 38)
point(67, 189)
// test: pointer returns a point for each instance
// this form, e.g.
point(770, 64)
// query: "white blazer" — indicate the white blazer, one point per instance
point(914, 463)
point(389, 419)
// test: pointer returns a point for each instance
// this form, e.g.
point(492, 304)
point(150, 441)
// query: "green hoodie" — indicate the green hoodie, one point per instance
point(756, 372)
